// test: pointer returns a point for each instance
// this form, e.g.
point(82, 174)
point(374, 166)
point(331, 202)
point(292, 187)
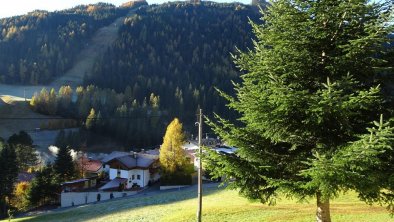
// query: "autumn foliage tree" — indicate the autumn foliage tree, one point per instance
point(174, 164)
point(20, 196)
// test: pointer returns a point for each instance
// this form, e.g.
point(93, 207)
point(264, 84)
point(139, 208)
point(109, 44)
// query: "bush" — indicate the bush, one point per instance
point(177, 178)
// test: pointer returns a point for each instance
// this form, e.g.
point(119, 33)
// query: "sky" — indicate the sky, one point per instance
point(19, 7)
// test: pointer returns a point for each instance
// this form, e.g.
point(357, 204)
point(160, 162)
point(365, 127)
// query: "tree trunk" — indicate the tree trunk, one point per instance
point(323, 209)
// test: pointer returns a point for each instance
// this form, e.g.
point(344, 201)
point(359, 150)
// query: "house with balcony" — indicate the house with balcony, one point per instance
point(136, 169)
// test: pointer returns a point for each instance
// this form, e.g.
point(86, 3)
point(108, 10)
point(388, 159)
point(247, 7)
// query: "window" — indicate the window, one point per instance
point(132, 177)
point(138, 177)
point(118, 173)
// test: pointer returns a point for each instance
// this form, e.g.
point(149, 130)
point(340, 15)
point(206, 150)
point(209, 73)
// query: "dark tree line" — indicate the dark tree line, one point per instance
point(104, 111)
point(41, 45)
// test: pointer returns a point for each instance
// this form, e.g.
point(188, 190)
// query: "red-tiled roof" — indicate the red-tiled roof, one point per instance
point(90, 165)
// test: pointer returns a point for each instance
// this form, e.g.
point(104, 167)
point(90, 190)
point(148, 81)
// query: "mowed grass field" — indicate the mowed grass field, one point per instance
point(218, 205)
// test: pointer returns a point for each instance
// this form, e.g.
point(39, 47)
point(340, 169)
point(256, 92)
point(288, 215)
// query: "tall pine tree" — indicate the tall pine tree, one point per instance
point(311, 87)
point(64, 165)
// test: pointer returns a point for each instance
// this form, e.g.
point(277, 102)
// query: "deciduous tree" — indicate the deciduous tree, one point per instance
point(172, 155)
point(173, 161)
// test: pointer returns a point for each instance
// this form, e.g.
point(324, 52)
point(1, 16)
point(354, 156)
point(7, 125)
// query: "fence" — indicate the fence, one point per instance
point(69, 199)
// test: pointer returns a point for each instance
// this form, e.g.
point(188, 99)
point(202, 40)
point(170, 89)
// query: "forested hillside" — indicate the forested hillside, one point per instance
point(37, 47)
point(166, 63)
point(179, 53)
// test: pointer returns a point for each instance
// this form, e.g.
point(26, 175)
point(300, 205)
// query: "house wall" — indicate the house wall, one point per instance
point(113, 173)
point(146, 177)
point(142, 182)
point(106, 168)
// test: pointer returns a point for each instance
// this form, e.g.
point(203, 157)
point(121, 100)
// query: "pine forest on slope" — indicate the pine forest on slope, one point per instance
point(166, 63)
point(40, 46)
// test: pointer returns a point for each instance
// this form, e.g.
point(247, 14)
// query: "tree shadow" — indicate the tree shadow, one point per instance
point(111, 207)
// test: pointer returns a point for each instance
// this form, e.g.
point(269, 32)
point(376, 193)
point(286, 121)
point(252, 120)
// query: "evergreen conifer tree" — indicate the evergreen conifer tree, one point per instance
point(64, 165)
point(8, 175)
point(310, 91)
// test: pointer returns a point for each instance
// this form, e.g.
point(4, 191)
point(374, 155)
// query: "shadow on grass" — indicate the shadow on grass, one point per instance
point(93, 211)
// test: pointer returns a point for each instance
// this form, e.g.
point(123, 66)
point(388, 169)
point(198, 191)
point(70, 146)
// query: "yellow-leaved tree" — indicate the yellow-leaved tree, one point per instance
point(174, 163)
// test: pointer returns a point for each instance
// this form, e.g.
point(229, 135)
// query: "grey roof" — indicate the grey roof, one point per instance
point(141, 160)
point(114, 155)
point(75, 181)
point(113, 184)
point(128, 161)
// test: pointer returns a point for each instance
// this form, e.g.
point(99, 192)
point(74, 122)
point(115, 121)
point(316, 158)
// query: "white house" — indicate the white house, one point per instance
point(139, 169)
point(191, 149)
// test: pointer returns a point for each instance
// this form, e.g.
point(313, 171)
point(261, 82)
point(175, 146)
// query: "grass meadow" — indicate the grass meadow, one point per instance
point(218, 205)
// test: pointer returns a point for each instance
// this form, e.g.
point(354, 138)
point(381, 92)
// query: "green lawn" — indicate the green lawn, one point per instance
point(218, 205)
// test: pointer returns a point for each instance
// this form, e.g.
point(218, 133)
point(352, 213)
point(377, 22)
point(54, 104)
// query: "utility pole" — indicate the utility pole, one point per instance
point(199, 123)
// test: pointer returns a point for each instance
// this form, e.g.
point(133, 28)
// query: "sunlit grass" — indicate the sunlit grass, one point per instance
point(218, 205)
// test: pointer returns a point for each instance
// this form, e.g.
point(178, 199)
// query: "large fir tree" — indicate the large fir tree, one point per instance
point(312, 87)
point(45, 187)
point(64, 165)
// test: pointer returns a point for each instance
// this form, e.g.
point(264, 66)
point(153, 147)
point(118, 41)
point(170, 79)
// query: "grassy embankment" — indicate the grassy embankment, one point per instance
point(218, 205)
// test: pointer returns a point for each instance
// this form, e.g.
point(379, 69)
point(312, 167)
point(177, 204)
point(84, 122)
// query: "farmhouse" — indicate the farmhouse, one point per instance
point(139, 169)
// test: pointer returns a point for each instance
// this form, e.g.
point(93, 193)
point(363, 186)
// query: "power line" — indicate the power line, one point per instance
point(95, 118)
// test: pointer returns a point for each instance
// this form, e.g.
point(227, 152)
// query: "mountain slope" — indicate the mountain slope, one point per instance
point(164, 62)
point(103, 38)
point(40, 46)
point(218, 205)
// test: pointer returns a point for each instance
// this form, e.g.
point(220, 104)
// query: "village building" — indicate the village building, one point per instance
point(139, 169)
point(79, 184)
point(89, 167)
point(191, 148)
